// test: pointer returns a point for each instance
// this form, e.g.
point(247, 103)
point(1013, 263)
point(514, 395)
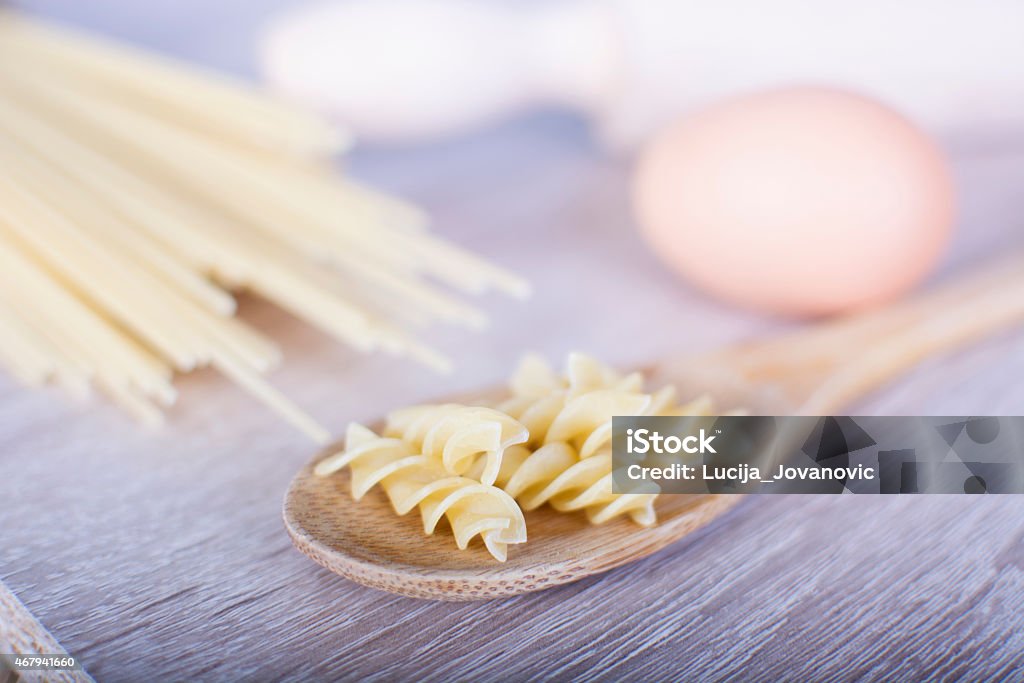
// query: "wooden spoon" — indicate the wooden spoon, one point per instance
point(813, 371)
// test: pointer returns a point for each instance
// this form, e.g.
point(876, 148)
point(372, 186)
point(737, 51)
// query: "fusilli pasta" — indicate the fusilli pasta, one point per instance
point(458, 435)
point(548, 442)
point(570, 423)
point(412, 479)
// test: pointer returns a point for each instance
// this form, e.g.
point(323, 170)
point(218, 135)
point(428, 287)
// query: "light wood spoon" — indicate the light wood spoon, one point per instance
point(813, 371)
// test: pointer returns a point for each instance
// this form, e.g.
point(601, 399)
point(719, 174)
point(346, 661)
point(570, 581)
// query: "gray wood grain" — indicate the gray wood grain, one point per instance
point(163, 555)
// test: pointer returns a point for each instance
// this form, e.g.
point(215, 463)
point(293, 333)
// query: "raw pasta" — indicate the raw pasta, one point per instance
point(556, 474)
point(412, 479)
point(136, 195)
point(570, 423)
point(548, 442)
point(555, 408)
point(458, 436)
point(576, 409)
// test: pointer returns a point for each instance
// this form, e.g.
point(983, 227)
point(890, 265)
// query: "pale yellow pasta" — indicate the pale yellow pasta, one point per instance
point(412, 479)
point(576, 408)
point(458, 436)
point(480, 467)
point(139, 195)
point(570, 423)
point(555, 474)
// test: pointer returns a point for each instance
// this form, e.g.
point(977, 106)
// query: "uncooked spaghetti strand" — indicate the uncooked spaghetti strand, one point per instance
point(76, 359)
point(165, 217)
point(21, 345)
point(229, 335)
point(361, 203)
point(255, 349)
point(24, 356)
point(319, 199)
point(88, 371)
point(26, 353)
point(100, 279)
point(108, 346)
point(63, 370)
point(464, 269)
point(214, 173)
point(136, 304)
point(237, 109)
point(309, 294)
point(242, 373)
point(312, 299)
point(451, 264)
point(259, 214)
point(261, 389)
point(101, 224)
point(422, 251)
point(262, 357)
point(135, 196)
point(342, 205)
point(75, 371)
point(188, 160)
point(368, 204)
point(264, 274)
point(250, 380)
point(414, 292)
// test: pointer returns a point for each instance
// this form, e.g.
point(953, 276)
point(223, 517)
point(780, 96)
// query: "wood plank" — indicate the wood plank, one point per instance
point(22, 634)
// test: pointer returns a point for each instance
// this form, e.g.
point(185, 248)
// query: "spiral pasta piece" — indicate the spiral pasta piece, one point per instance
point(479, 467)
point(412, 479)
point(555, 474)
point(534, 378)
point(576, 408)
point(570, 423)
point(458, 435)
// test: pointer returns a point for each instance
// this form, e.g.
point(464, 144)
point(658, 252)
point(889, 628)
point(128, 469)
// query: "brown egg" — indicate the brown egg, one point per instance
point(802, 201)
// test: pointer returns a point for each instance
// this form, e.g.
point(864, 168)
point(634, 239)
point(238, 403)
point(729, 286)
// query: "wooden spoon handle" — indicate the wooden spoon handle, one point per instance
point(869, 326)
point(820, 369)
point(963, 315)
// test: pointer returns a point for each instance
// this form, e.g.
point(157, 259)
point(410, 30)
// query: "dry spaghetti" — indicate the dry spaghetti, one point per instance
point(137, 194)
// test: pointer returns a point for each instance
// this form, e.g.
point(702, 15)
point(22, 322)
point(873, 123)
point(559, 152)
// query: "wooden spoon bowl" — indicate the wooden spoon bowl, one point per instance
point(367, 542)
point(815, 370)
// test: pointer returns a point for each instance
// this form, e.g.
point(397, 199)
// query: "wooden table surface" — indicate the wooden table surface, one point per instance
point(163, 556)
